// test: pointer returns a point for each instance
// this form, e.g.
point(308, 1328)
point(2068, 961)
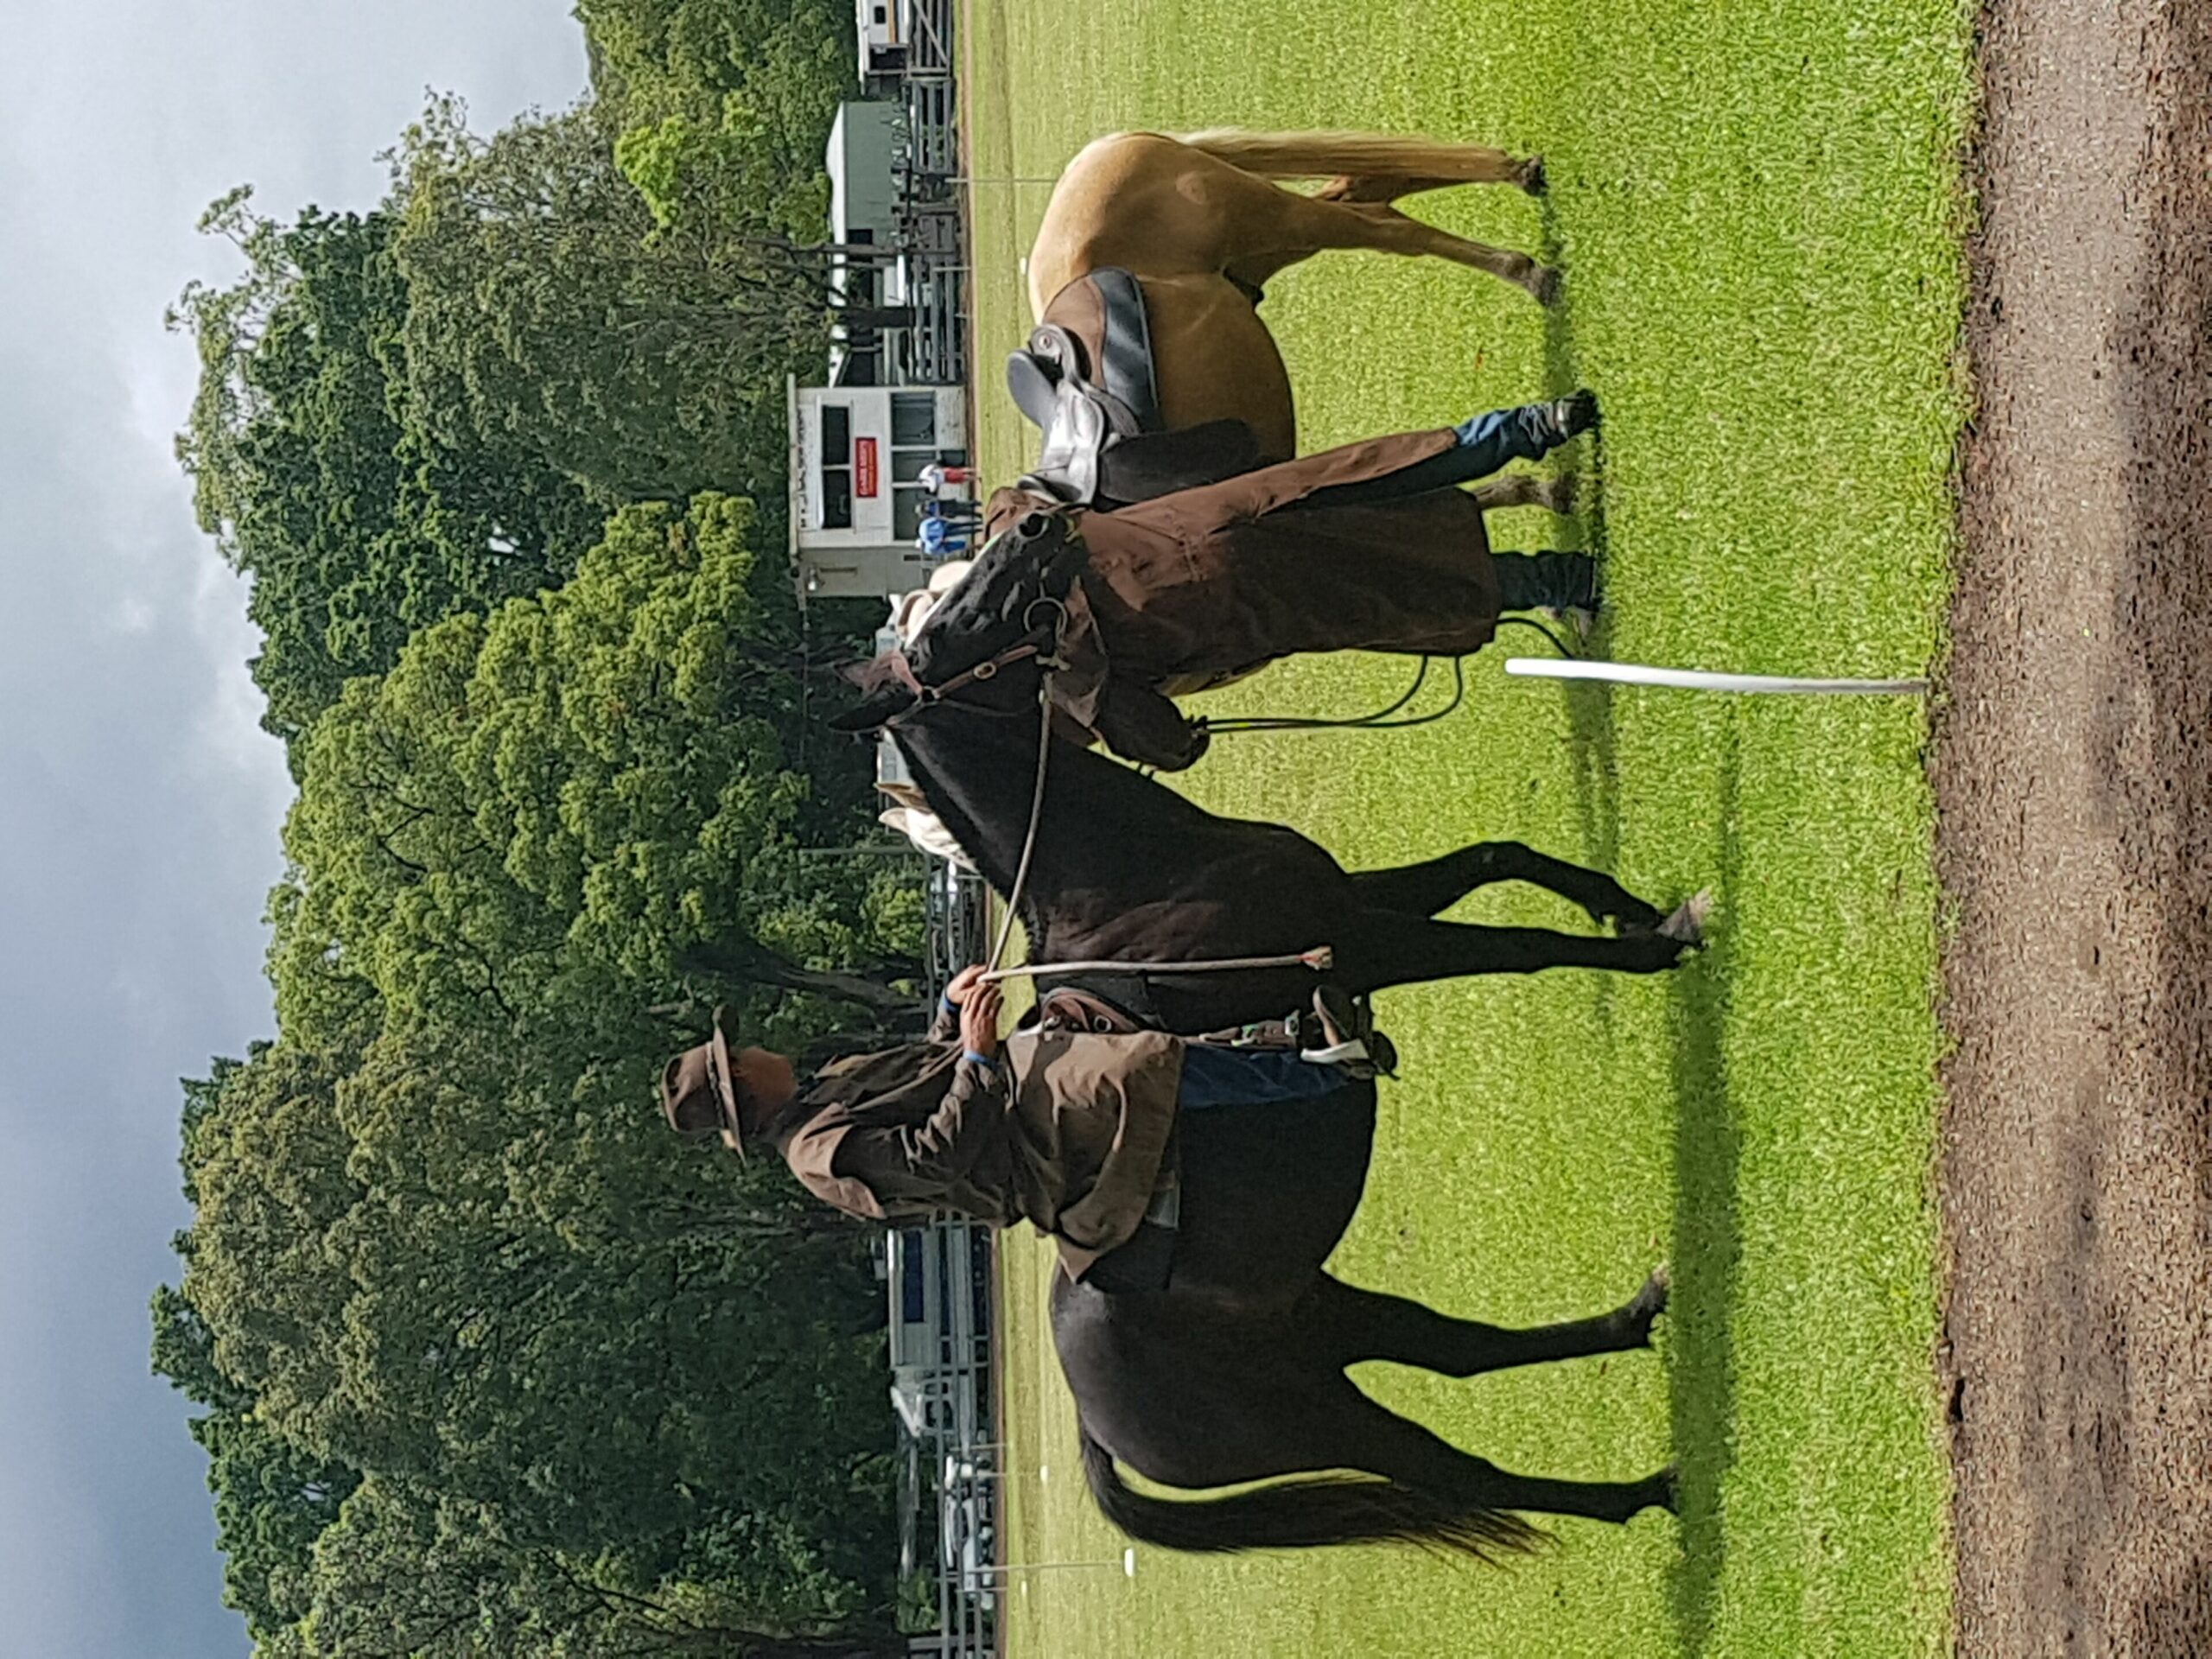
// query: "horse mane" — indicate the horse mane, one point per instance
point(869, 675)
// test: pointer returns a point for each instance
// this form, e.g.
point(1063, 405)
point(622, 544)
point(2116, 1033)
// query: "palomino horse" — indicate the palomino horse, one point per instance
point(1197, 222)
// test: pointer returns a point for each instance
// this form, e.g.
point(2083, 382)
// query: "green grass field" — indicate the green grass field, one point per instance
point(1758, 209)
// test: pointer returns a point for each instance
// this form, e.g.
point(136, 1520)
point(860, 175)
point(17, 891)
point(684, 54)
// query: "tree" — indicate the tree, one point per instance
point(548, 311)
point(724, 105)
point(404, 1573)
point(500, 850)
point(524, 825)
point(534, 1310)
point(321, 482)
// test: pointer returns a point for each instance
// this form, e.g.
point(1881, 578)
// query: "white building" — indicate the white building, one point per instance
point(856, 494)
point(883, 29)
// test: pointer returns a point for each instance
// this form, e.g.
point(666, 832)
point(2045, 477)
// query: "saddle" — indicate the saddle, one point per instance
point(1335, 1023)
point(1086, 380)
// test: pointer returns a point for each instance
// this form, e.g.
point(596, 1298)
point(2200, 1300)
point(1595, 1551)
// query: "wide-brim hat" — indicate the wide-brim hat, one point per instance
point(699, 1092)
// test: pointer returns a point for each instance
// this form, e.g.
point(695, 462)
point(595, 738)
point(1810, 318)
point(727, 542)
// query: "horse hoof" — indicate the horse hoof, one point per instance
point(1531, 175)
point(1686, 925)
point(1543, 283)
point(1558, 493)
point(1648, 1303)
point(1667, 1489)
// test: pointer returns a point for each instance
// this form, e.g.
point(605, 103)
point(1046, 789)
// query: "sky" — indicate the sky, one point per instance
point(139, 801)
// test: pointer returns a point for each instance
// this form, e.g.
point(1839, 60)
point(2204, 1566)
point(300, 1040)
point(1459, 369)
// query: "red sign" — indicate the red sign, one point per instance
point(864, 467)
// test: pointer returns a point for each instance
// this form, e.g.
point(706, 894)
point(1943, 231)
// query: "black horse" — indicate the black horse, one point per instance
point(1125, 869)
point(1235, 1372)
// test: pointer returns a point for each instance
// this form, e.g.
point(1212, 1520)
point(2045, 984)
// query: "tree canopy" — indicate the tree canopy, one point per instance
point(486, 1361)
point(314, 474)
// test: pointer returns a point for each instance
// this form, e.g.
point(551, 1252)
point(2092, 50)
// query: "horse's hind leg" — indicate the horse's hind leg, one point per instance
point(1309, 225)
point(1368, 1437)
point(1254, 275)
point(1348, 1326)
point(1383, 948)
point(1526, 490)
point(1424, 889)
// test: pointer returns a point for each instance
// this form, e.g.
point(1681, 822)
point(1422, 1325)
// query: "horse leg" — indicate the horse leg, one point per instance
point(1307, 224)
point(1254, 275)
point(1425, 889)
point(1384, 947)
point(1376, 1441)
point(1349, 1325)
point(1526, 490)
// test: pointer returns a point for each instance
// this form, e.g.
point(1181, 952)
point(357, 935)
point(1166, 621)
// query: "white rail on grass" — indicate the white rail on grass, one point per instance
point(1695, 679)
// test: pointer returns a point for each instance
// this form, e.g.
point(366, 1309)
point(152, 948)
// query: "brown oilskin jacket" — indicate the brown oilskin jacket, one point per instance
point(1225, 577)
point(1069, 1130)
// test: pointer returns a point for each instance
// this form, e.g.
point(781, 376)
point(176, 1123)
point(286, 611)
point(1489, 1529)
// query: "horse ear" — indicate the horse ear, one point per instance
point(874, 710)
point(854, 670)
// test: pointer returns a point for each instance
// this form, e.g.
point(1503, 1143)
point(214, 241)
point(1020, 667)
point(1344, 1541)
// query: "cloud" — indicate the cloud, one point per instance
point(139, 803)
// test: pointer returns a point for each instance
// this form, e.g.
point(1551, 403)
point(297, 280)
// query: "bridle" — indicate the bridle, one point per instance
point(1050, 660)
point(987, 671)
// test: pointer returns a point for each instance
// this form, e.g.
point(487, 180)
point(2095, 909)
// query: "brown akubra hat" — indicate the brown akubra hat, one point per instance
point(699, 1090)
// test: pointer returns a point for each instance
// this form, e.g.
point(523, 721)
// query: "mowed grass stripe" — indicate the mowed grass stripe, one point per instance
point(1755, 207)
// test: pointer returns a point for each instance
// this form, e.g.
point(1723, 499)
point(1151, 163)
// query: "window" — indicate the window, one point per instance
point(905, 513)
point(836, 497)
point(914, 420)
point(913, 1303)
point(836, 466)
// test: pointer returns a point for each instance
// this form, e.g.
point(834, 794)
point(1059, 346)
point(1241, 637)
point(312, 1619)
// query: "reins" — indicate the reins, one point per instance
point(1321, 958)
point(1380, 720)
point(1049, 665)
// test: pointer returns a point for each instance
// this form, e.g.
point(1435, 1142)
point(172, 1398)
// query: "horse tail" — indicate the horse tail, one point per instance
point(1306, 1513)
point(1355, 155)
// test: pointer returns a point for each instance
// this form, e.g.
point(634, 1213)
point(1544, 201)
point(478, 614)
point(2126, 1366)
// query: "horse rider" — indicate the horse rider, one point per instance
point(1062, 1124)
point(1366, 547)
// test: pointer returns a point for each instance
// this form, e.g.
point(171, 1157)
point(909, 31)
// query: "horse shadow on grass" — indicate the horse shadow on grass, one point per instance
point(1707, 1247)
point(1590, 752)
point(1708, 1136)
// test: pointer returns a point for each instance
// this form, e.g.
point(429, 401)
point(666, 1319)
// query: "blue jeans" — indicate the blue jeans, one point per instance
point(1486, 443)
point(1214, 1075)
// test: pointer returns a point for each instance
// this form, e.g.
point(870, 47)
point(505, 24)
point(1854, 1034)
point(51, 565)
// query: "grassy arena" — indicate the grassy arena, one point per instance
point(1757, 209)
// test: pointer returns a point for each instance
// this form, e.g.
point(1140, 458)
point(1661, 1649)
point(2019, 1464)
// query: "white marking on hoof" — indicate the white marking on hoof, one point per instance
point(1686, 924)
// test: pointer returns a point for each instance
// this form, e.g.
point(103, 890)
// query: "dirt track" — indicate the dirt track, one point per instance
point(2073, 767)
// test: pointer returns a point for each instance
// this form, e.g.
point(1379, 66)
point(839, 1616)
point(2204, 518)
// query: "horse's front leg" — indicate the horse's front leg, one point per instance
point(1306, 225)
point(1384, 188)
point(1384, 947)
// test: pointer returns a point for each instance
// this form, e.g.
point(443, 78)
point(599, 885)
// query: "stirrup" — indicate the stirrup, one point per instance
point(1348, 1035)
point(1351, 1056)
point(1572, 415)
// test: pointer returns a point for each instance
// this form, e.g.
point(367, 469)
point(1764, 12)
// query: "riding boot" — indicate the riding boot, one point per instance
point(1545, 581)
point(1486, 443)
